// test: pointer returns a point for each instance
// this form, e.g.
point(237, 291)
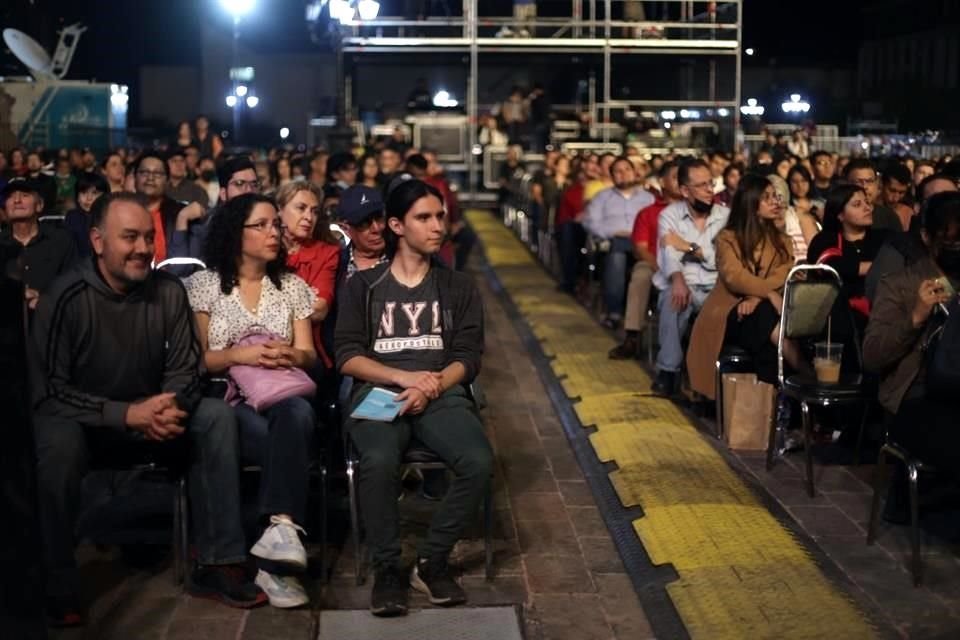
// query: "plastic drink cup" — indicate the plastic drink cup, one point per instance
point(826, 361)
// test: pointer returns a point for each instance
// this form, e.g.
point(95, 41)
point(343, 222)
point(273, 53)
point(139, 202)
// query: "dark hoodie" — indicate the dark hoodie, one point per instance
point(98, 351)
point(460, 305)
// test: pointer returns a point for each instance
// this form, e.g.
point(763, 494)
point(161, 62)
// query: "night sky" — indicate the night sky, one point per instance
point(123, 35)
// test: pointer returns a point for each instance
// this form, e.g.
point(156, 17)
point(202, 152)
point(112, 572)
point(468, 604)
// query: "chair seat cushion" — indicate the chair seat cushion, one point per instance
point(850, 386)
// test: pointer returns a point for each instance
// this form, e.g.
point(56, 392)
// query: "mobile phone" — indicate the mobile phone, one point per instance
point(944, 283)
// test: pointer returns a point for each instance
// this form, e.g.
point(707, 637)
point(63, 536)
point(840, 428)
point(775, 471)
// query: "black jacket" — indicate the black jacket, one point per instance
point(460, 305)
point(98, 351)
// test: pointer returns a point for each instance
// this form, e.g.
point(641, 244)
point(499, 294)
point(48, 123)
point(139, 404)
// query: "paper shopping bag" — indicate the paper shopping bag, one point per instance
point(748, 411)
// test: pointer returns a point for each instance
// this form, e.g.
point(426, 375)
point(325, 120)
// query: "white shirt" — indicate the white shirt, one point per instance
point(676, 217)
point(230, 320)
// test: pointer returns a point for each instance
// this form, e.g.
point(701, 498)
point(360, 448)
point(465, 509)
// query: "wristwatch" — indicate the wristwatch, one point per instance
point(694, 247)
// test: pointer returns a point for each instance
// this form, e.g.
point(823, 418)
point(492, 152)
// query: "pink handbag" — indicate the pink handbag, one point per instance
point(261, 388)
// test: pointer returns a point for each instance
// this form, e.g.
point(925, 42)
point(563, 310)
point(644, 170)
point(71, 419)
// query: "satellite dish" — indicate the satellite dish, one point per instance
point(29, 52)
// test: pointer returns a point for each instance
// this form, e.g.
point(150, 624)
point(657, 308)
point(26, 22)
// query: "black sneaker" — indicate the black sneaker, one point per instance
point(433, 578)
point(64, 612)
point(626, 351)
point(390, 593)
point(434, 485)
point(665, 384)
point(227, 583)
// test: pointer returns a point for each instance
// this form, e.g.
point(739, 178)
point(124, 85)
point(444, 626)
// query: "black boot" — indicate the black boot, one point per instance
point(665, 385)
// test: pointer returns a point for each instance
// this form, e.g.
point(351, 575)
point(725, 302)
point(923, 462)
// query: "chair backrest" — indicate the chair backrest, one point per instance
point(807, 302)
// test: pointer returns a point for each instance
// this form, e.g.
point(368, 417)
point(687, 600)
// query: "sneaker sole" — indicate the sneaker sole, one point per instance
point(209, 594)
point(283, 602)
point(293, 560)
point(422, 587)
point(389, 612)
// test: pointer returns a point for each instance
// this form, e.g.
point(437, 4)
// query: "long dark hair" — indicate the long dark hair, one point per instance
point(399, 200)
point(802, 170)
point(224, 247)
point(748, 229)
point(837, 201)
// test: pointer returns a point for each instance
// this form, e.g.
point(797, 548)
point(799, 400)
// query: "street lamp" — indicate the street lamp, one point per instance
point(795, 105)
point(252, 101)
point(238, 8)
point(368, 9)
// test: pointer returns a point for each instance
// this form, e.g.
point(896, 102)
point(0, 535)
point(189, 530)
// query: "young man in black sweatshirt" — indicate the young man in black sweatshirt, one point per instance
point(415, 327)
point(117, 372)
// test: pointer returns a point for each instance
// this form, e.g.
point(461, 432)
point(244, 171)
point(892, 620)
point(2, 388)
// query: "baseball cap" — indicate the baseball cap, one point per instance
point(358, 203)
point(26, 185)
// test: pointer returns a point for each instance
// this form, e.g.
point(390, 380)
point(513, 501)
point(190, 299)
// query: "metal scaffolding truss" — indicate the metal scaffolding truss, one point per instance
point(711, 29)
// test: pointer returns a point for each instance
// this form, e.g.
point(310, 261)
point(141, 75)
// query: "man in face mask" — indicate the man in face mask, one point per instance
point(686, 262)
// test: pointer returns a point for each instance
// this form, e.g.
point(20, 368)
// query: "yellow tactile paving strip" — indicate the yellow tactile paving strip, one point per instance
point(742, 574)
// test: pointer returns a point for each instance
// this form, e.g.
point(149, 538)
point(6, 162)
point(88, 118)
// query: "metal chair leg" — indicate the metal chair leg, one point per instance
point(917, 561)
point(772, 444)
point(354, 521)
point(863, 427)
point(323, 525)
point(808, 447)
point(180, 532)
point(879, 480)
point(488, 533)
point(718, 391)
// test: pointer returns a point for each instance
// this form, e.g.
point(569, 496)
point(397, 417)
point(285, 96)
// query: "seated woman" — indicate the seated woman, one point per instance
point(848, 244)
point(89, 187)
point(800, 220)
point(905, 312)
point(247, 289)
point(743, 309)
point(313, 253)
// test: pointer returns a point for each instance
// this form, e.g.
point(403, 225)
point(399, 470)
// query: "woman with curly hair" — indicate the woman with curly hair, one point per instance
point(247, 289)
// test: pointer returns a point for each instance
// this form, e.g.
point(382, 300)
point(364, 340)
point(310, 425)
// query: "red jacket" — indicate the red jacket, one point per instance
point(571, 204)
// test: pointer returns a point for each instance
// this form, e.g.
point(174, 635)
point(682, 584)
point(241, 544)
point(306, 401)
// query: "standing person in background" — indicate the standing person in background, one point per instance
point(514, 112)
point(114, 170)
point(539, 117)
point(184, 137)
point(208, 142)
point(798, 144)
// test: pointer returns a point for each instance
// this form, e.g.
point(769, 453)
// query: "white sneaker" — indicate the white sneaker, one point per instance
point(280, 543)
point(284, 592)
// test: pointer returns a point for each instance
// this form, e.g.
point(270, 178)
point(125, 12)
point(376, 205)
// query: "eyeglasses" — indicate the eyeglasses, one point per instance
point(146, 173)
point(243, 185)
point(264, 226)
point(701, 185)
point(369, 222)
point(864, 182)
point(771, 197)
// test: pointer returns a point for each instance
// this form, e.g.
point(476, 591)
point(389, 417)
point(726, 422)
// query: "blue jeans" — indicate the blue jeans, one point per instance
point(280, 440)
point(615, 275)
point(672, 326)
point(64, 448)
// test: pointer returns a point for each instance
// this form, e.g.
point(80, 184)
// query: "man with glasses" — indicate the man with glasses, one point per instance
point(150, 180)
point(686, 265)
point(237, 177)
point(861, 172)
point(821, 163)
point(362, 214)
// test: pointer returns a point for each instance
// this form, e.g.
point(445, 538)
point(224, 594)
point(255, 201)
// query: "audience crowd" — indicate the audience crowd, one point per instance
point(128, 356)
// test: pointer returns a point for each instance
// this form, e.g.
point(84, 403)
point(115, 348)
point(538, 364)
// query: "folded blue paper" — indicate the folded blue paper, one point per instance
point(378, 405)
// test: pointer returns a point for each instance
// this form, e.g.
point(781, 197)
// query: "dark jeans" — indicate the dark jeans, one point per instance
point(570, 240)
point(280, 440)
point(615, 275)
point(64, 452)
point(449, 427)
point(752, 334)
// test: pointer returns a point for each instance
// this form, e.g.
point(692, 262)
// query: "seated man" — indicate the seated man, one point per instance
point(644, 240)
point(687, 262)
point(610, 216)
point(35, 254)
point(415, 327)
point(118, 369)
